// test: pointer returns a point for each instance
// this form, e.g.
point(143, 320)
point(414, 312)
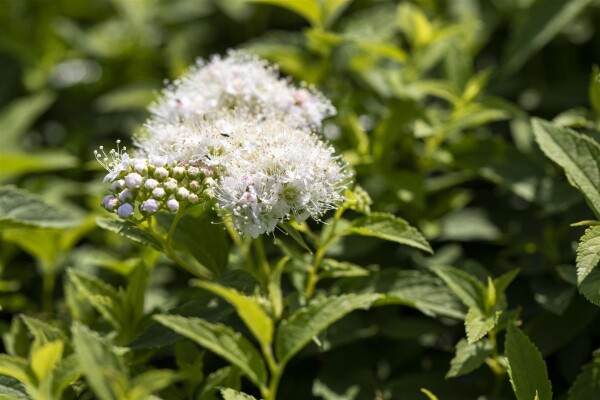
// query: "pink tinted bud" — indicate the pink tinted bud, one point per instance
point(109, 203)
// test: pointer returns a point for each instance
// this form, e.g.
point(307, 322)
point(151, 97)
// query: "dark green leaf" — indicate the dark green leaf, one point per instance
point(464, 285)
point(587, 384)
point(526, 367)
point(469, 357)
point(588, 256)
point(129, 230)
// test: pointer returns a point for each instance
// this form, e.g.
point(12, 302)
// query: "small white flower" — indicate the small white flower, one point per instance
point(170, 185)
point(161, 173)
point(140, 166)
point(173, 205)
point(118, 185)
point(134, 180)
point(115, 162)
point(158, 161)
point(178, 172)
point(149, 206)
point(193, 198)
point(125, 210)
point(182, 193)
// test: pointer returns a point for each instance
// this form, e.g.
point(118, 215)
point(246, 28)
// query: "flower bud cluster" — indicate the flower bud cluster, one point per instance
point(152, 185)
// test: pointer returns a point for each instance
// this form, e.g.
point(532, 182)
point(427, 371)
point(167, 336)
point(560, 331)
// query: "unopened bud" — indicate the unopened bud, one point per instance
point(149, 206)
point(170, 185)
point(157, 161)
point(182, 193)
point(179, 173)
point(125, 210)
point(159, 193)
point(193, 198)
point(151, 184)
point(193, 172)
point(194, 186)
point(116, 186)
point(126, 195)
point(161, 174)
point(141, 167)
point(109, 202)
point(134, 180)
point(173, 205)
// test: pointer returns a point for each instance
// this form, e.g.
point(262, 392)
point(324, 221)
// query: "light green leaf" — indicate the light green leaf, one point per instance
point(248, 309)
point(429, 394)
point(469, 357)
point(477, 325)
point(102, 365)
point(129, 230)
point(14, 164)
point(17, 368)
point(539, 24)
point(20, 115)
point(230, 394)
point(594, 89)
point(150, 382)
point(332, 9)
point(297, 331)
point(66, 372)
point(44, 358)
point(331, 268)
point(464, 285)
point(587, 384)
point(388, 227)
point(526, 367)
point(19, 208)
point(43, 331)
point(308, 9)
point(588, 256)
point(222, 341)
point(577, 154)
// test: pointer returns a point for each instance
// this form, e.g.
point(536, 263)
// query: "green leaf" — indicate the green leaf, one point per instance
point(464, 285)
point(101, 363)
point(503, 281)
point(299, 329)
point(539, 24)
point(224, 377)
point(477, 325)
point(66, 372)
point(16, 367)
point(11, 389)
point(577, 154)
point(388, 227)
point(197, 235)
point(308, 9)
point(42, 331)
point(230, 394)
point(222, 341)
point(588, 256)
point(332, 9)
point(129, 230)
point(44, 358)
point(331, 268)
point(469, 357)
point(20, 115)
point(594, 89)
point(19, 208)
point(587, 384)
point(248, 308)
point(15, 164)
point(526, 367)
point(429, 394)
point(293, 232)
point(150, 382)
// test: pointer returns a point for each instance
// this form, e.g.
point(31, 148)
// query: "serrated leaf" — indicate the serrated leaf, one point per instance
point(43, 358)
point(388, 227)
point(43, 331)
point(299, 329)
point(129, 230)
point(464, 285)
point(230, 394)
point(578, 155)
point(469, 357)
point(587, 384)
point(526, 367)
point(588, 257)
point(19, 208)
point(539, 24)
point(248, 309)
point(101, 363)
point(222, 341)
point(477, 325)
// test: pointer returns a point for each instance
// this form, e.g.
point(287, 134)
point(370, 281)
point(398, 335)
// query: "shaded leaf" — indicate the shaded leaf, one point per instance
point(129, 230)
point(588, 256)
point(469, 357)
point(587, 384)
point(464, 285)
point(526, 367)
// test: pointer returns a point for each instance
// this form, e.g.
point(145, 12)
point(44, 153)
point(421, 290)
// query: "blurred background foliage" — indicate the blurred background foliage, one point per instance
point(433, 98)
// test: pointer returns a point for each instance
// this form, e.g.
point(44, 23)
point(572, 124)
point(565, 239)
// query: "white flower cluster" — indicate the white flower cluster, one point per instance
point(229, 131)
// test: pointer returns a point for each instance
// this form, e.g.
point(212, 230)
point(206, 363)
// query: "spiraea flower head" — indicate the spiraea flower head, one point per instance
point(240, 79)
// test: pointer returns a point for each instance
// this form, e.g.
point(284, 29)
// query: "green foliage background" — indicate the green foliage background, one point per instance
point(434, 103)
